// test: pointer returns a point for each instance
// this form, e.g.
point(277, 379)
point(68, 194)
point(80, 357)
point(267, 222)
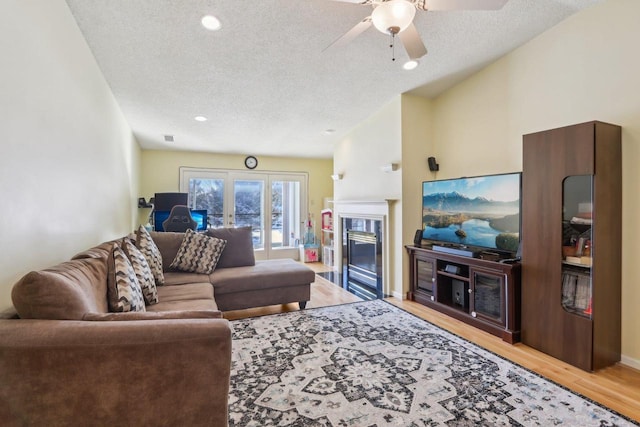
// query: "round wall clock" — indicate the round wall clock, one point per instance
point(250, 162)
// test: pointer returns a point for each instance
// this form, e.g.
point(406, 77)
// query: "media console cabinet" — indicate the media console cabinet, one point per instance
point(480, 292)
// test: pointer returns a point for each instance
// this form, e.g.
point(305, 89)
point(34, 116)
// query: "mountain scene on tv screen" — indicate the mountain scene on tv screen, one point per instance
point(474, 221)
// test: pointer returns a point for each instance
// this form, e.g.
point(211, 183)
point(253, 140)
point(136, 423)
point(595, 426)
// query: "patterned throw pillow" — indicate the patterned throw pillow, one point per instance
point(142, 270)
point(145, 243)
point(198, 253)
point(123, 289)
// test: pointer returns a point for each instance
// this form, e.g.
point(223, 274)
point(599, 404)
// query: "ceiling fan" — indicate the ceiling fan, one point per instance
point(395, 17)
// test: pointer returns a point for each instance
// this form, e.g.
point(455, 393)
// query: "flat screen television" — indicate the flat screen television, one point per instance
point(198, 215)
point(480, 212)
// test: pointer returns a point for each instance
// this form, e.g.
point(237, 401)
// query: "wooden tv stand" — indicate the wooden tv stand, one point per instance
point(480, 292)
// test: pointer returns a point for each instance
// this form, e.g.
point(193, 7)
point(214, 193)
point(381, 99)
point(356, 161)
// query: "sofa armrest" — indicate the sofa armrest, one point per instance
point(149, 372)
point(155, 315)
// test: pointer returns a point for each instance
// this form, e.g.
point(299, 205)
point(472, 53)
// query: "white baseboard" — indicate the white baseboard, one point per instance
point(630, 362)
point(397, 295)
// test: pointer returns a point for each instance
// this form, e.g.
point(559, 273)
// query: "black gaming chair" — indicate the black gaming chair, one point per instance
point(179, 220)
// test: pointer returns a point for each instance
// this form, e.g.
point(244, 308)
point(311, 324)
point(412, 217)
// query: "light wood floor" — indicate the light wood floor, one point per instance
point(617, 387)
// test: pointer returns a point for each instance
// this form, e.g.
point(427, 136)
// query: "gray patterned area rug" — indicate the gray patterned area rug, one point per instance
point(372, 364)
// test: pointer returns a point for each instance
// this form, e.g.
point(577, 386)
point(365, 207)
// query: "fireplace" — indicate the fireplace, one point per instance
point(362, 257)
point(363, 265)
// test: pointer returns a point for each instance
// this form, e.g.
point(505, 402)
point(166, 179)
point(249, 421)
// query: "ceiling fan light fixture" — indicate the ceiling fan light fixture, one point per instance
point(410, 65)
point(211, 23)
point(394, 16)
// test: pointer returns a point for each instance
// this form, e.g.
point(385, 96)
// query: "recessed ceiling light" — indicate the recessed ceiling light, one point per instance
point(210, 22)
point(200, 119)
point(410, 65)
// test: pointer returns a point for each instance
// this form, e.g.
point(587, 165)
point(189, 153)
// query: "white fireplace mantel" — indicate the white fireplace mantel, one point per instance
point(362, 207)
point(368, 209)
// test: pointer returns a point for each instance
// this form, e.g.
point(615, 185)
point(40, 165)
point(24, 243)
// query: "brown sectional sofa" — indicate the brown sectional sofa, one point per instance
point(66, 360)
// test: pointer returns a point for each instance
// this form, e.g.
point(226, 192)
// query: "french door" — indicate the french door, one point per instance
point(273, 204)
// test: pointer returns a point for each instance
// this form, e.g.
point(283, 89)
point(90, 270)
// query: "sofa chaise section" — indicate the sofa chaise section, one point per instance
point(239, 281)
point(277, 281)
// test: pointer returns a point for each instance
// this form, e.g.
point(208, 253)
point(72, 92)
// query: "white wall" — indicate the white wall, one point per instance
point(586, 68)
point(68, 160)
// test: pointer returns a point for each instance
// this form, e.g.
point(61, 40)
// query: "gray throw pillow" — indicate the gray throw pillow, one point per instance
point(239, 249)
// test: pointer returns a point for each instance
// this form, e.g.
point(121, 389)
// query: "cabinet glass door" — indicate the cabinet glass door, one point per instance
point(487, 296)
point(425, 272)
point(577, 242)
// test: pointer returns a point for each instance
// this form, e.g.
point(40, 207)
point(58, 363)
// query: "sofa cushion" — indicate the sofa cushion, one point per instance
point(168, 243)
point(142, 270)
point(123, 289)
point(274, 273)
point(194, 296)
point(154, 315)
point(239, 249)
point(202, 290)
point(145, 243)
point(101, 251)
point(182, 278)
point(66, 291)
point(198, 253)
point(190, 305)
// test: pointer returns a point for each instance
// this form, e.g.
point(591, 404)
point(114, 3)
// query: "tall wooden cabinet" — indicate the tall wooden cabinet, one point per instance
point(571, 243)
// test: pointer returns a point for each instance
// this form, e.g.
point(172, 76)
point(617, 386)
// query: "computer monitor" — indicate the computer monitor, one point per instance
point(198, 215)
point(165, 201)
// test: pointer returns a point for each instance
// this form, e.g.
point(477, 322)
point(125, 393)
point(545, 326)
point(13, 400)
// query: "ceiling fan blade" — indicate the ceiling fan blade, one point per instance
point(412, 42)
point(460, 4)
point(359, 28)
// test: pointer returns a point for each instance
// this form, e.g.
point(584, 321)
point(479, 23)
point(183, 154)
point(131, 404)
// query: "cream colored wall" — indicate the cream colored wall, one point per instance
point(375, 142)
point(68, 160)
point(372, 144)
point(417, 145)
point(160, 173)
point(586, 68)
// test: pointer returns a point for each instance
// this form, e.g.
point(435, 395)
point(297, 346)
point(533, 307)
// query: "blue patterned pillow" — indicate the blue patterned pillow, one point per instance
point(198, 253)
point(123, 290)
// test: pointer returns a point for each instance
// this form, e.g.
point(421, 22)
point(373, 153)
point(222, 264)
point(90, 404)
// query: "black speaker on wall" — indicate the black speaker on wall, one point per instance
point(417, 239)
point(433, 165)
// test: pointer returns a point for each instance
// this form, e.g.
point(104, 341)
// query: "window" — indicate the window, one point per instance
point(272, 203)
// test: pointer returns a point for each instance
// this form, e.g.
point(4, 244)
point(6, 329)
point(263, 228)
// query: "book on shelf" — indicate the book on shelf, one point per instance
point(576, 290)
point(582, 218)
point(568, 289)
point(581, 221)
point(583, 292)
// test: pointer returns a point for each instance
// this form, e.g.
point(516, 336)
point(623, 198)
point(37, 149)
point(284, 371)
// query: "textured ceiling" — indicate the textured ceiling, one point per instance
point(266, 82)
